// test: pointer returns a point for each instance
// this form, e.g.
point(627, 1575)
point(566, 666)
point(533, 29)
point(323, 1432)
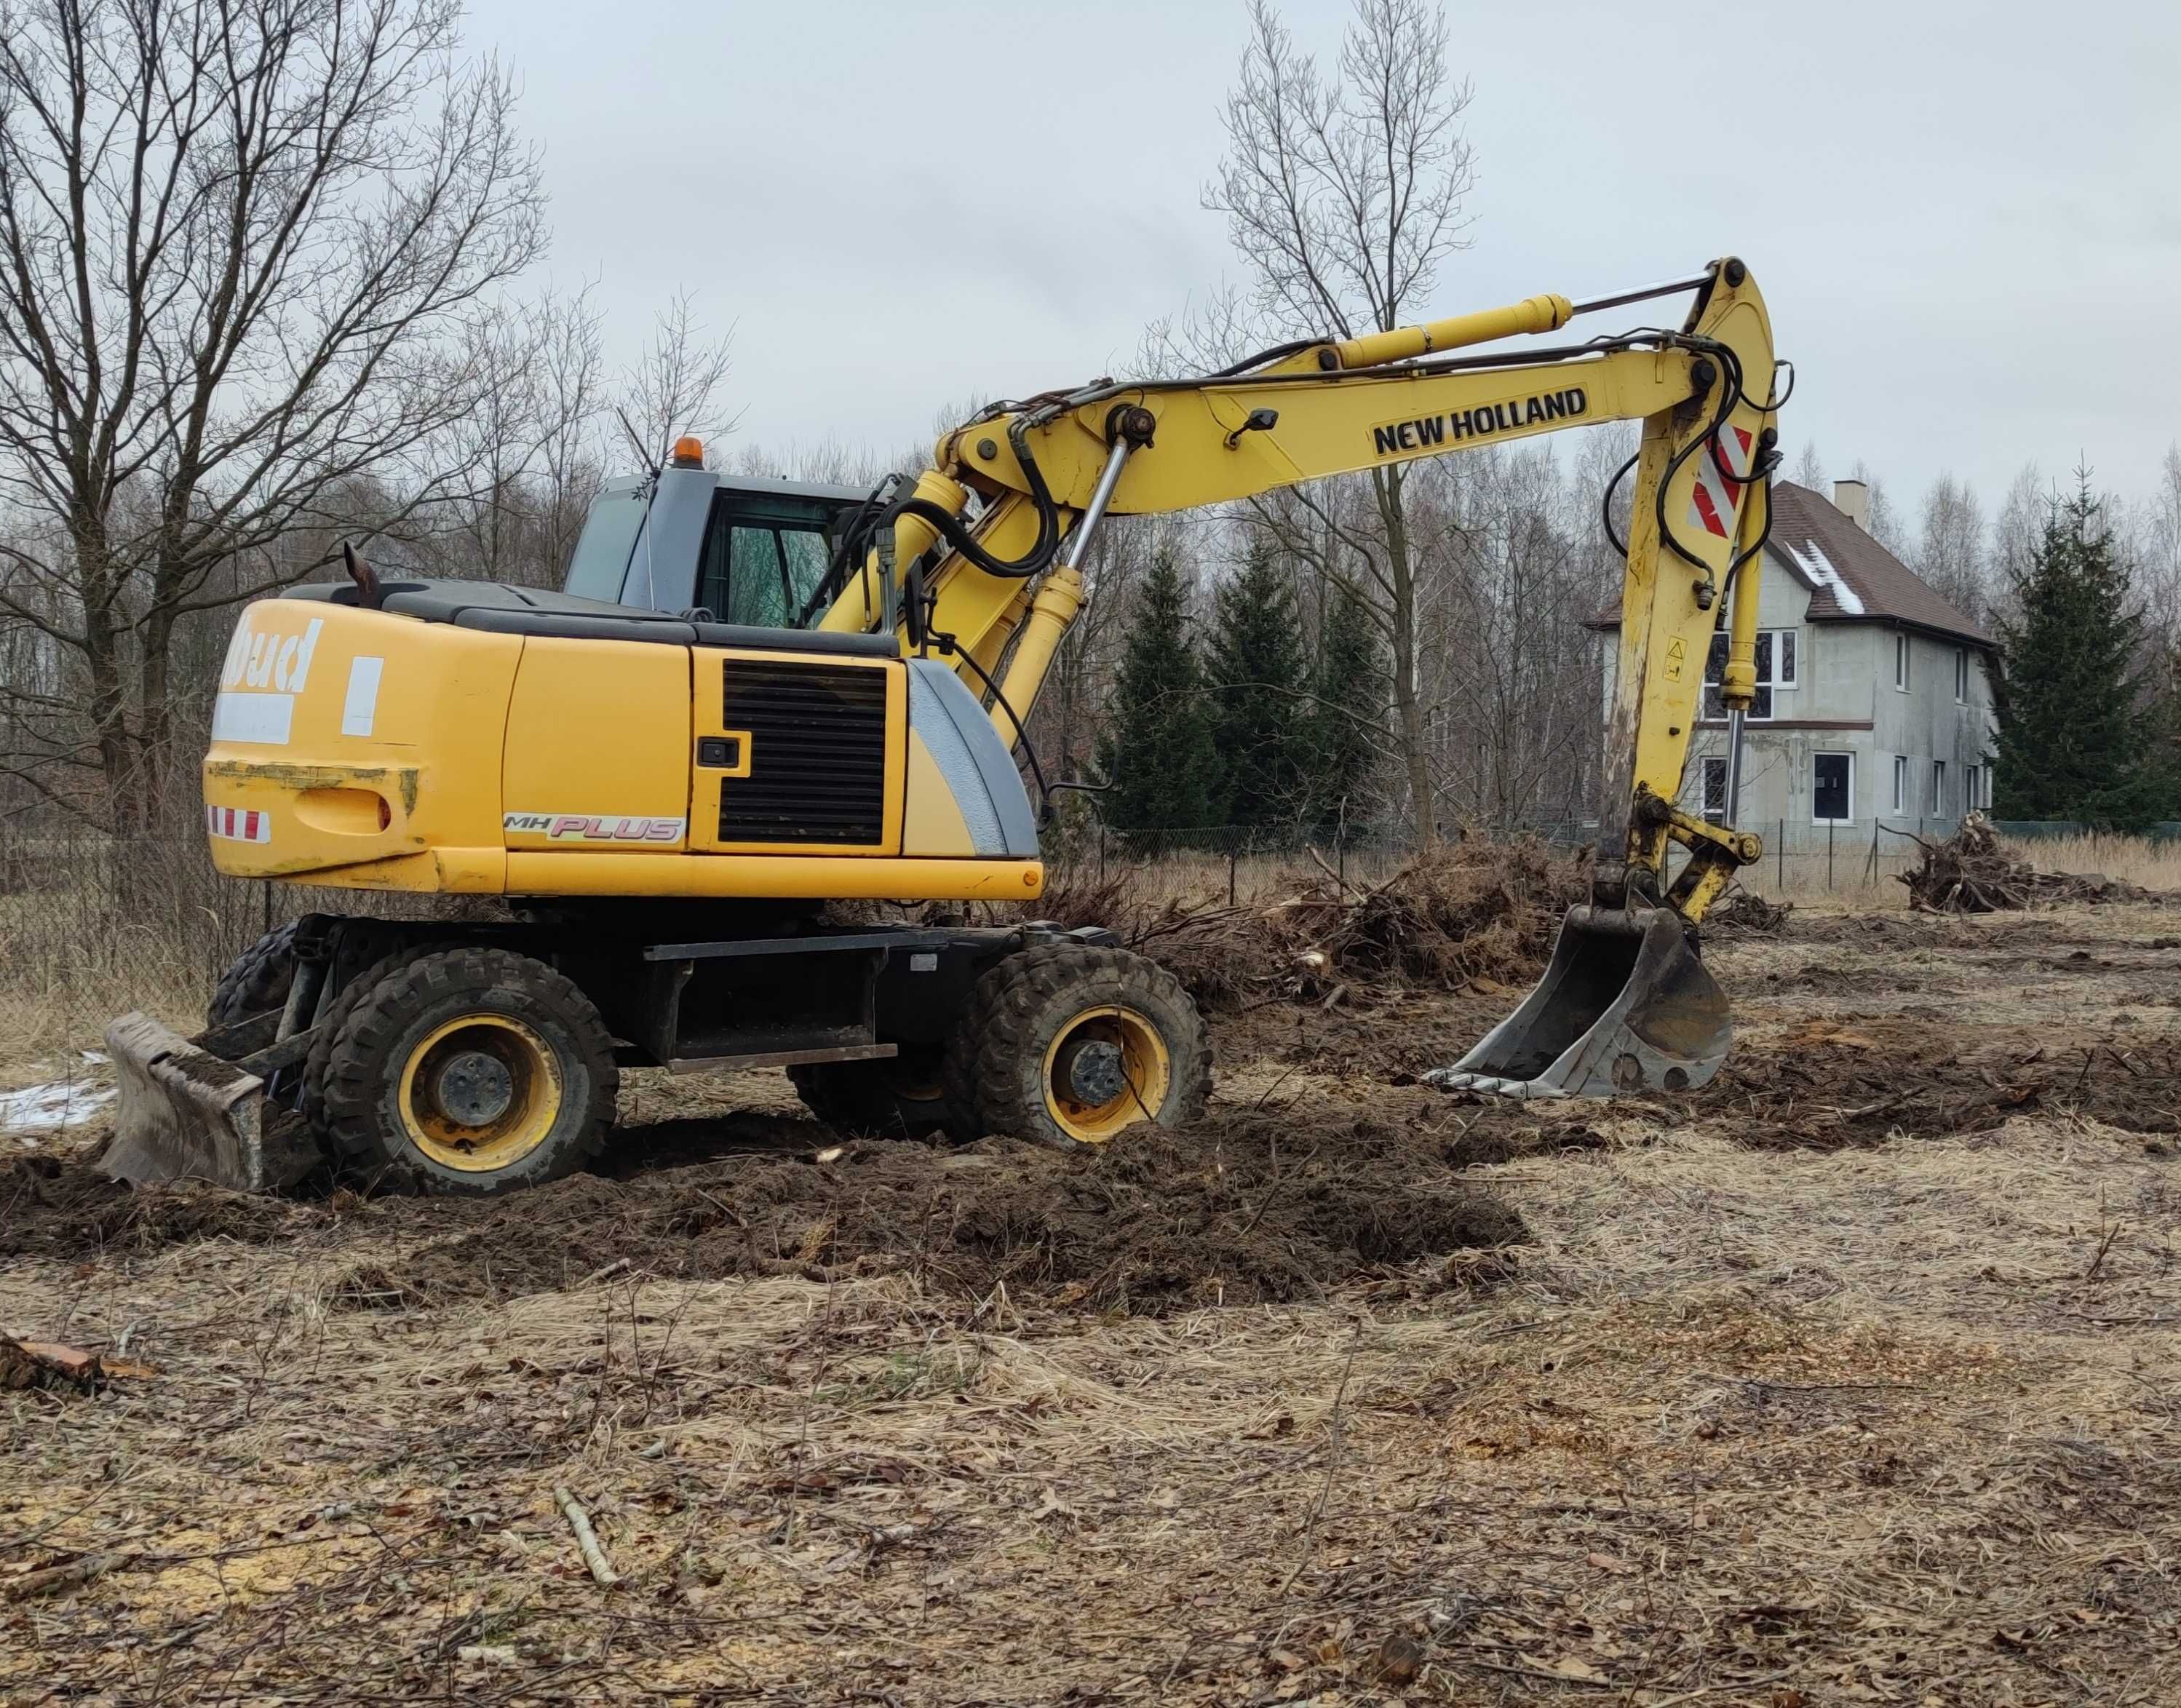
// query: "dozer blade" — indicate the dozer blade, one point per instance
point(1624, 1006)
point(184, 1113)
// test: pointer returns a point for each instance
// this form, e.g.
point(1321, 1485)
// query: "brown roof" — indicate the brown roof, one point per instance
point(1845, 568)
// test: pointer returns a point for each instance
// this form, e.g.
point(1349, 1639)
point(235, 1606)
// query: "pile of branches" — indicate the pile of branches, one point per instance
point(1969, 873)
point(1472, 912)
point(1745, 912)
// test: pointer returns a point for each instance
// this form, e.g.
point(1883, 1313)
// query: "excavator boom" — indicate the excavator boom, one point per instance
point(1625, 1002)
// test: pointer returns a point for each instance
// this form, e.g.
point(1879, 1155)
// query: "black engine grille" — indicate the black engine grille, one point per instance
point(817, 754)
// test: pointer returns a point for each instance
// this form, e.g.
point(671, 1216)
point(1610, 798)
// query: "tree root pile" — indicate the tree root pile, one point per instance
point(1745, 913)
point(1969, 873)
point(1470, 912)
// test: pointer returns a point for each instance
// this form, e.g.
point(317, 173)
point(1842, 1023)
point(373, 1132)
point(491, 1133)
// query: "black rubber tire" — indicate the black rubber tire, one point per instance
point(257, 979)
point(333, 1016)
point(865, 1098)
point(360, 1086)
point(1020, 1007)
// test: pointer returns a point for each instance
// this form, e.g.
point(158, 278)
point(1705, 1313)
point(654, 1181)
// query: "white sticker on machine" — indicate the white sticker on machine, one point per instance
point(360, 710)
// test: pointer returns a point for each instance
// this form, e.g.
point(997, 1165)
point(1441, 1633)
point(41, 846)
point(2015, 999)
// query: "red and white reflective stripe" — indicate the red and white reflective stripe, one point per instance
point(237, 824)
point(1718, 483)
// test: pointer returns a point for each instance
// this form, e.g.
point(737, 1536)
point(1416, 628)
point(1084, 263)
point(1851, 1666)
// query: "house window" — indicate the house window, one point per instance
point(1901, 662)
point(1938, 789)
point(1962, 675)
point(1775, 669)
point(1900, 782)
point(1715, 791)
point(1973, 787)
point(1832, 787)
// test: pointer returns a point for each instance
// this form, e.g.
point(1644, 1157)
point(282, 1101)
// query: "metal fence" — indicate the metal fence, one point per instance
point(89, 923)
point(1800, 858)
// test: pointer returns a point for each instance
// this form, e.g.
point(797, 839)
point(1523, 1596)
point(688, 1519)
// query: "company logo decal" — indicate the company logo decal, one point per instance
point(568, 826)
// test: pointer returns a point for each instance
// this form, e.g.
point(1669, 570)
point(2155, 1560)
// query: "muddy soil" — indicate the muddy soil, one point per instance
point(1242, 1208)
point(1852, 1376)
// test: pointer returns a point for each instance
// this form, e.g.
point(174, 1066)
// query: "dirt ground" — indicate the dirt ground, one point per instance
point(1853, 1378)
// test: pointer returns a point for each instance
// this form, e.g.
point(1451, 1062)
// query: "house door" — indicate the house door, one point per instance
point(1831, 788)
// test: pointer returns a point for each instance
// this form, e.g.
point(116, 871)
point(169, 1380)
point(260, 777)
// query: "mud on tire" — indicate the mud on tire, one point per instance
point(1050, 1032)
point(468, 1071)
point(257, 979)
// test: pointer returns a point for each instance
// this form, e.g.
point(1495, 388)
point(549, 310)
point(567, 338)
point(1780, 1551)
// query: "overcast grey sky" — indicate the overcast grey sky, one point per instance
point(1966, 218)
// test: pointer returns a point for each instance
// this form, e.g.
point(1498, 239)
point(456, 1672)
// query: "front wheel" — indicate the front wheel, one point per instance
point(470, 1072)
point(1072, 1045)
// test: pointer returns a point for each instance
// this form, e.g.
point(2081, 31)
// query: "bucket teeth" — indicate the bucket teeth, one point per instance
point(1625, 1006)
point(1489, 1085)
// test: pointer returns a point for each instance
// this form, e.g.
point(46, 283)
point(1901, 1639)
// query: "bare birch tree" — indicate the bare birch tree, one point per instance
point(1344, 192)
point(1951, 549)
point(241, 242)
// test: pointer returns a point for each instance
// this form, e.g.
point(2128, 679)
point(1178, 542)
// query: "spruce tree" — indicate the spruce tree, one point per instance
point(1347, 690)
point(1158, 750)
point(2074, 738)
point(1256, 677)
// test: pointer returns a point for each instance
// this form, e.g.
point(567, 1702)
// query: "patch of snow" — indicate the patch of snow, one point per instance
point(41, 1108)
point(1820, 568)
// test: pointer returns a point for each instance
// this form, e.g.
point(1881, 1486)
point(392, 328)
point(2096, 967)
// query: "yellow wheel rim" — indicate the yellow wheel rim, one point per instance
point(1106, 1069)
point(479, 1093)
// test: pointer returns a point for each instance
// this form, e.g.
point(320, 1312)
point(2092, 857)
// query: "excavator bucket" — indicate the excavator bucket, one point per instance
point(188, 1112)
point(1624, 1006)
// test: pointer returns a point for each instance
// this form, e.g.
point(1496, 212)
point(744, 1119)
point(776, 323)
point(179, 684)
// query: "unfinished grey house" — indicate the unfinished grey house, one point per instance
point(1874, 701)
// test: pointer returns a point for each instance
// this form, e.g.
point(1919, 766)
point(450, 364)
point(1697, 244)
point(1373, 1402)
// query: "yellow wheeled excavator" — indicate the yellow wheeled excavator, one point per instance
point(754, 698)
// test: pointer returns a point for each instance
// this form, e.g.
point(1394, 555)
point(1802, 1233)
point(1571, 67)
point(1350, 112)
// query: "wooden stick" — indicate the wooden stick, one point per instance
point(586, 1538)
point(55, 1578)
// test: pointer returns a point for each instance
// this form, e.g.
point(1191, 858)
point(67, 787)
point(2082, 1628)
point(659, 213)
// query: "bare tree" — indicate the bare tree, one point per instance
point(240, 241)
point(2158, 555)
point(1810, 470)
point(2015, 536)
point(1884, 520)
point(1950, 554)
point(1343, 192)
point(532, 443)
point(676, 387)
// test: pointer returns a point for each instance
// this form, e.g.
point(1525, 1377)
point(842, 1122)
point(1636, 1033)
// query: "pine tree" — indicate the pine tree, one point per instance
point(2074, 741)
point(1343, 759)
point(1256, 676)
point(1159, 750)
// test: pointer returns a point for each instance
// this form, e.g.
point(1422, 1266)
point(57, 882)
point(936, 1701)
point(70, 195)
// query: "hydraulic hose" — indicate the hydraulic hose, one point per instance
point(1042, 550)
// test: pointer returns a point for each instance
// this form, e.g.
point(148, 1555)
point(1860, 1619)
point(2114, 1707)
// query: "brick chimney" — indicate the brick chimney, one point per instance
point(1852, 498)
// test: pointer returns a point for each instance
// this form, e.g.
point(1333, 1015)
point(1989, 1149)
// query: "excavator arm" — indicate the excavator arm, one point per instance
point(1625, 1002)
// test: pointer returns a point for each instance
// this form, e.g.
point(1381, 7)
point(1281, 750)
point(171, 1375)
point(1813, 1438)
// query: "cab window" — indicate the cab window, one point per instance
point(764, 557)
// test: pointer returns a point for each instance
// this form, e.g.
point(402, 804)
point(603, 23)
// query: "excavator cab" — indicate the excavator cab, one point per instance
point(760, 547)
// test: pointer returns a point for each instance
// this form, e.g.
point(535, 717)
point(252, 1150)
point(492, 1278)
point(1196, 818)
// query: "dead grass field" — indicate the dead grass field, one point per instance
point(1854, 1377)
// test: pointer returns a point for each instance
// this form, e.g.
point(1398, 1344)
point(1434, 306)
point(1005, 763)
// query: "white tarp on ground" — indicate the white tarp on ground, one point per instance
point(50, 1107)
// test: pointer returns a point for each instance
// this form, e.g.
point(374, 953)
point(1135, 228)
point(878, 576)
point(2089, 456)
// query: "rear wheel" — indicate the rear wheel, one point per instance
point(257, 979)
point(1073, 1045)
point(332, 1017)
point(903, 1097)
point(470, 1072)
